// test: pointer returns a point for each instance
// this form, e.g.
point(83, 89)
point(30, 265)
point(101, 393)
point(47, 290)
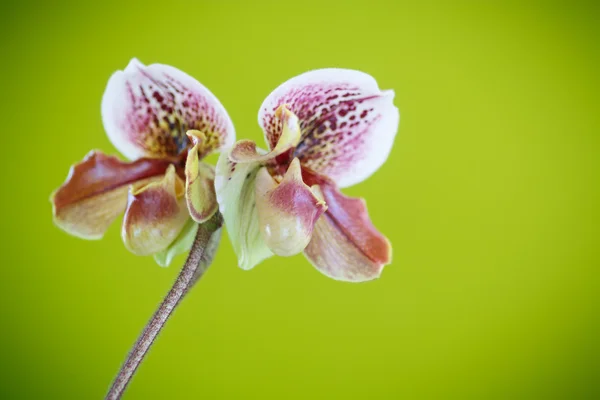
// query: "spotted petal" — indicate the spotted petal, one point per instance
point(147, 110)
point(287, 211)
point(345, 245)
point(156, 214)
point(348, 124)
point(95, 192)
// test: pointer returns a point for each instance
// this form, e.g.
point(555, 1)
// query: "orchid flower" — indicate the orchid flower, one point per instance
point(165, 122)
point(325, 129)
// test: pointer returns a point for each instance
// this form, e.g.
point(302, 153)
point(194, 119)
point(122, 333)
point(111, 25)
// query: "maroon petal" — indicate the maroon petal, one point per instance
point(95, 192)
point(345, 245)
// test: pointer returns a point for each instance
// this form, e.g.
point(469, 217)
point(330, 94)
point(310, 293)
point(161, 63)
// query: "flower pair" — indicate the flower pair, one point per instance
point(325, 130)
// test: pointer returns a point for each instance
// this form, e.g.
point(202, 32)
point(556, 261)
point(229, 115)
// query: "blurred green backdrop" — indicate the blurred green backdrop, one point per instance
point(490, 197)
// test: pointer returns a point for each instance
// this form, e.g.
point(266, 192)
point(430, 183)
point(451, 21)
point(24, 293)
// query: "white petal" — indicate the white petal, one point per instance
point(348, 124)
point(146, 111)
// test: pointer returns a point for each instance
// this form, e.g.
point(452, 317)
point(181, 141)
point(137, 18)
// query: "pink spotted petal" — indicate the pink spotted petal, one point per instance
point(156, 214)
point(345, 244)
point(146, 111)
point(348, 124)
point(287, 211)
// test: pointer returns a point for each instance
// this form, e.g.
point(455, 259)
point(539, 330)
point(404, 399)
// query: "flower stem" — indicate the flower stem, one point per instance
point(197, 262)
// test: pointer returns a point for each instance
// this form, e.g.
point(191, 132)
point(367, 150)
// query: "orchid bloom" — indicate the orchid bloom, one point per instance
point(165, 122)
point(325, 129)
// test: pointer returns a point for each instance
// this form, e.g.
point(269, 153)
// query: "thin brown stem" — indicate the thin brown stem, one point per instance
point(194, 267)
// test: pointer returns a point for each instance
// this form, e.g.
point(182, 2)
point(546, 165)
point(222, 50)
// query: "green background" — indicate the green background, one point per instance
point(490, 198)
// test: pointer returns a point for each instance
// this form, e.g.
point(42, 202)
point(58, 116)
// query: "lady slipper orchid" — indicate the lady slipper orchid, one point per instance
point(165, 121)
point(325, 130)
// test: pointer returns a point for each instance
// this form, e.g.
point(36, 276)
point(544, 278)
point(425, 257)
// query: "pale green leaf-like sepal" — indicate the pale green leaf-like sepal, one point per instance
point(234, 185)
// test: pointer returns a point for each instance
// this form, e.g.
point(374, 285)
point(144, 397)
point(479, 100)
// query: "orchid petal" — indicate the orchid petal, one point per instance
point(334, 255)
point(348, 124)
point(287, 211)
point(147, 110)
point(199, 187)
point(345, 245)
point(246, 151)
point(156, 214)
point(234, 186)
point(95, 192)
